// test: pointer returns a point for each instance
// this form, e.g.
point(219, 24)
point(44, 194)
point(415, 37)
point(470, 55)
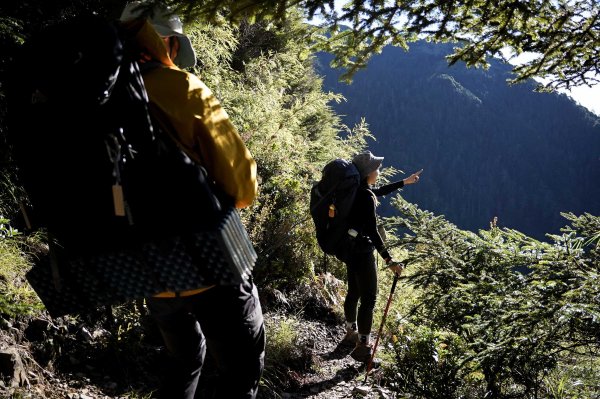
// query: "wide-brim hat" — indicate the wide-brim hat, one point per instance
point(366, 163)
point(166, 24)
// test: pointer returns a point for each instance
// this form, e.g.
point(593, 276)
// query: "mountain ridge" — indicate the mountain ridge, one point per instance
point(488, 149)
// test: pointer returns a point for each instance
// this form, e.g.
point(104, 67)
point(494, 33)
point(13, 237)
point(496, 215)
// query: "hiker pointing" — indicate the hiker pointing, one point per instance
point(358, 255)
point(225, 320)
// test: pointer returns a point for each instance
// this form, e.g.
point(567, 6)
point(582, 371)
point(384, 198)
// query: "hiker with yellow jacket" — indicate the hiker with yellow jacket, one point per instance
point(225, 320)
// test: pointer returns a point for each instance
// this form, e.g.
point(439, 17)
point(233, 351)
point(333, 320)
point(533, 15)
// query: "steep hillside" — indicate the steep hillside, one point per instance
point(488, 149)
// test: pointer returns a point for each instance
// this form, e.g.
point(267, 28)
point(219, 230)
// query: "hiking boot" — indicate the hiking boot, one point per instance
point(350, 339)
point(362, 352)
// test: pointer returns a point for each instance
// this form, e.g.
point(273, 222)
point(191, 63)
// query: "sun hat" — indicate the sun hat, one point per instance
point(166, 24)
point(366, 163)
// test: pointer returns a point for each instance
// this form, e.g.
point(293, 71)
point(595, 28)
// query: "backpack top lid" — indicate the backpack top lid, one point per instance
point(75, 62)
point(337, 174)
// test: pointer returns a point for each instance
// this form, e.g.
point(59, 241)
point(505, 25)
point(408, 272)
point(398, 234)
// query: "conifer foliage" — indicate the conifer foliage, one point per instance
point(497, 312)
point(263, 74)
point(562, 34)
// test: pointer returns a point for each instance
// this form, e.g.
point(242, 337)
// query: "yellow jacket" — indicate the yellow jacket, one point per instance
point(187, 109)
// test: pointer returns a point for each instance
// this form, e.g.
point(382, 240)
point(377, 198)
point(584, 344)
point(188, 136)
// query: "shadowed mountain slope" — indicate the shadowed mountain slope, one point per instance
point(488, 149)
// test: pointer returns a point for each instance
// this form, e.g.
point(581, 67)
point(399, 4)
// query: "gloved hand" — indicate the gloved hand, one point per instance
point(394, 266)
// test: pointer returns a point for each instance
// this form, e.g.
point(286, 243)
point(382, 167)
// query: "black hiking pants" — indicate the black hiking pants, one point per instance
point(362, 287)
point(225, 320)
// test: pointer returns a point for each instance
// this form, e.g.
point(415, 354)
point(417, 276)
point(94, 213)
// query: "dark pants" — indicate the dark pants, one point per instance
point(362, 287)
point(226, 321)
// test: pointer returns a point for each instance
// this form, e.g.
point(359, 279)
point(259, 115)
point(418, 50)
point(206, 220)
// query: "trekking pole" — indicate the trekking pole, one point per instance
point(385, 312)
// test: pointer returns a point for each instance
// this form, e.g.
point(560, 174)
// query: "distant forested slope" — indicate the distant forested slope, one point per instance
point(488, 149)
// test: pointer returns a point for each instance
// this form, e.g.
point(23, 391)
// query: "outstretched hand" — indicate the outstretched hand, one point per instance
point(413, 178)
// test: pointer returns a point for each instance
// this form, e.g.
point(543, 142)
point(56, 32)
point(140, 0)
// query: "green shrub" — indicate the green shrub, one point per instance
point(428, 363)
point(285, 356)
point(516, 304)
point(16, 296)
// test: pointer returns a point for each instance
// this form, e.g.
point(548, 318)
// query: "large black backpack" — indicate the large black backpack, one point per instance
point(127, 212)
point(331, 200)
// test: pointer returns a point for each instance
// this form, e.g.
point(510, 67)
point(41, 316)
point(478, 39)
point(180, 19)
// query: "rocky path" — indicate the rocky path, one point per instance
point(336, 374)
point(329, 372)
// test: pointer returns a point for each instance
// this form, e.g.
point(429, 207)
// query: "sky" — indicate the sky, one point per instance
point(588, 97)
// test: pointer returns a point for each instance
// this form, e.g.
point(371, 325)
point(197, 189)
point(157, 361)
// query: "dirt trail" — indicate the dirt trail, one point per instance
point(337, 375)
point(59, 361)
